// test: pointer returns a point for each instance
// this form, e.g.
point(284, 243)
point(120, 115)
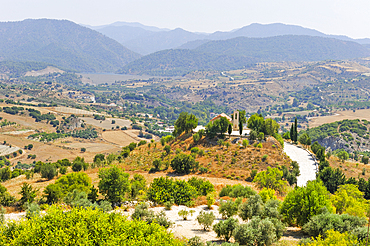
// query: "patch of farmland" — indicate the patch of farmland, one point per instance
point(5, 150)
point(92, 147)
point(66, 110)
point(121, 138)
point(107, 123)
point(362, 114)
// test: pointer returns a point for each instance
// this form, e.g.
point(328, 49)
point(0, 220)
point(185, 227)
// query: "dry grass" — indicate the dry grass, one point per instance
point(234, 162)
point(341, 115)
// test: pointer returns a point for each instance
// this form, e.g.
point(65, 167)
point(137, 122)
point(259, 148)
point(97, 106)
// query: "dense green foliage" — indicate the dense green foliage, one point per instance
point(114, 184)
point(58, 227)
point(304, 202)
point(184, 164)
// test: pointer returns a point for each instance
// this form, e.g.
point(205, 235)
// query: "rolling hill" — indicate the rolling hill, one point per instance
point(242, 52)
point(62, 43)
point(177, 62)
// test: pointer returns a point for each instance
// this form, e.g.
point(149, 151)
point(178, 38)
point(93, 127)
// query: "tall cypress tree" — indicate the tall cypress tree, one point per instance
point(295, 130)
point(292, 132)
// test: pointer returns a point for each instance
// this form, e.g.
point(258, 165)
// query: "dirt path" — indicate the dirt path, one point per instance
point(305, 161)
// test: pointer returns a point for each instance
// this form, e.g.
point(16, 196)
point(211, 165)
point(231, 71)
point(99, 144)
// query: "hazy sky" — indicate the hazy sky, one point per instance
point(346, 17)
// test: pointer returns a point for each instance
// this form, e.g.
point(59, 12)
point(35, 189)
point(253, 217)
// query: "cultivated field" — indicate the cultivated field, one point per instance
point(66, 110)
point(341, 115)
point(107, 123)
point(121, 138)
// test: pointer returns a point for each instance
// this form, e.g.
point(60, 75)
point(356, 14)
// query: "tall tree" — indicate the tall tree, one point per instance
point(295, 130)
point(240, 128)
point(230, 130)
point(292, 132)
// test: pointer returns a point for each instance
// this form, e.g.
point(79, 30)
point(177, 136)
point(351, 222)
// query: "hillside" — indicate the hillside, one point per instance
point(62, 43)
point(286, 48)
point(179, 62)
point(242, 52)
point(351, 135)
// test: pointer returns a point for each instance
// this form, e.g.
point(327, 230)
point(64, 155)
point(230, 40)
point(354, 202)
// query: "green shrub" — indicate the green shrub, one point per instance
point(320, 224)
point(194, 150)
point(184, 164)
point(225, 229)
point(203, 186)
point(206, 219)
point(264, 157)
point(184, 214)
point(48, 171)
point(236, 191)
point(259, 145)
point(229, 208)
point(56, 220)
point(63, 170)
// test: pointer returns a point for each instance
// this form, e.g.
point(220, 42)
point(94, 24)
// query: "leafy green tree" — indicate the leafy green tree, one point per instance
point(271, 127)
point(69, 182)
point(48, 171)
point(305, 139)
point(365, 159)
point(252, 207)
point(225, 229)
point(28, 194)
point(256, 123)
point(217, 127)
point(183, 163)
point(167, 149)
point(286, 135)
point(183, 192)
point(343, 155)
point(113, 184)
point(240, 128)
point(160, 190)
point(295, 136)
point(333, 237)
point(230, 130)
point(90, 224)
point(304, 202)
point(245, 143)
point(53, 193)
point(203, 186)
point(320, 224)
point(206, 219)
point(271, 178)
point(229, 208)
point(332, 179)
point(257, 232)
point(138, 183)
point(185, 123)
point(291, 133)
point(99, 158)
point(350, 200)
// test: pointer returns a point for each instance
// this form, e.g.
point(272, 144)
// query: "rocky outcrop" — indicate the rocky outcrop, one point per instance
point(334, 143)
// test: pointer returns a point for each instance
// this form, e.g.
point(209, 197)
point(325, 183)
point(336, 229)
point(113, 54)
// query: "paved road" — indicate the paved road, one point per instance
point(305, 161)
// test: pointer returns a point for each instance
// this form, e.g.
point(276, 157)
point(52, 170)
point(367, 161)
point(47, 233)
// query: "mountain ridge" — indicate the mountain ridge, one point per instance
point(63, 43)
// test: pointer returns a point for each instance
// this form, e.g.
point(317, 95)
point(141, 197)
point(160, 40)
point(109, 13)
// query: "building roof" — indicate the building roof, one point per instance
point(222, 115)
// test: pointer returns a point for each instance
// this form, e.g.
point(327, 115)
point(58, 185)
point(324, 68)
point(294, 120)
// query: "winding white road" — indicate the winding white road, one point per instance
point(305, 161)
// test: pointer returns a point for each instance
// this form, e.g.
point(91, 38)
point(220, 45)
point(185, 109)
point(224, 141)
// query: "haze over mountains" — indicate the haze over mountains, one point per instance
point(116, 47)
point(145, 40)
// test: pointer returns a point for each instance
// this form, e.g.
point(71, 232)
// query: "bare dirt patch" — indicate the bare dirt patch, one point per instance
point(107, 123)
point(44, 71)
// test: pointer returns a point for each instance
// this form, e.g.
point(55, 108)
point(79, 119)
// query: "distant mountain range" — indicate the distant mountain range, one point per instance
point(167, 52)
point(242, 52)
point(62, 43)
point(145, 40)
